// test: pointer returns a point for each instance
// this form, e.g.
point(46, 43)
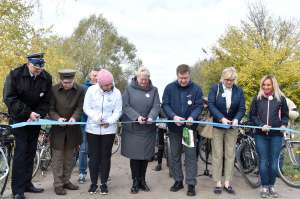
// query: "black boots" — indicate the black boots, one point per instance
point(143, 186)
point(139, 184)
point(135, 186)
point(177, 186)
point(191, 190)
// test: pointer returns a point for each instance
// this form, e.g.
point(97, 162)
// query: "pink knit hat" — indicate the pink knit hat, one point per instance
point(104, 77)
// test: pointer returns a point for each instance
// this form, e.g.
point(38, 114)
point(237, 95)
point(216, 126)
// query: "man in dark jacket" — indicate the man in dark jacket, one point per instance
point(182, 100)
point(26, 94)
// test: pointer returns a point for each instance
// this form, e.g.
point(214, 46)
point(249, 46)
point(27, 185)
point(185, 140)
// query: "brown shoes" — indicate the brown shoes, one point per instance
point(70, 186)
point(60, 191)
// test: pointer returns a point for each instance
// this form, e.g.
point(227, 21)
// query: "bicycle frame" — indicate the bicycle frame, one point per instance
point(292, 155)
point(6, 164)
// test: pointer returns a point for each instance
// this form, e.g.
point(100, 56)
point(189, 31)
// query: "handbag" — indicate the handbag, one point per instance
point(206, 131)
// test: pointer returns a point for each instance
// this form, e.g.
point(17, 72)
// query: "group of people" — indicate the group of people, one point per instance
point(29, 95)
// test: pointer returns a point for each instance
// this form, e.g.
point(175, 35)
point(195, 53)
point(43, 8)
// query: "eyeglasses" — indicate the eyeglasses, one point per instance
point(229, 80)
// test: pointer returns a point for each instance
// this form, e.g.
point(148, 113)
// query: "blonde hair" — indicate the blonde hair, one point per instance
point(276, 90)
point(143, 71)
point(229, 73)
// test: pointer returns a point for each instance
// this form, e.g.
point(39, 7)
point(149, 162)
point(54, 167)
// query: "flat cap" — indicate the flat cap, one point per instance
point(67, 74)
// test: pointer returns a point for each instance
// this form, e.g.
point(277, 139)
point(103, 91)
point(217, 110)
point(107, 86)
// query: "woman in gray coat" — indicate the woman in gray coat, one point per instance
point(141, 104)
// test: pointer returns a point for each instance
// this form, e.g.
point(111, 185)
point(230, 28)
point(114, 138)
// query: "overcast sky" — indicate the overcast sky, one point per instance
point(166, 33)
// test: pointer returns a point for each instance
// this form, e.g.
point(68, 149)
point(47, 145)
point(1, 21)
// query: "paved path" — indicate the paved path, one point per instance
point(159, 182)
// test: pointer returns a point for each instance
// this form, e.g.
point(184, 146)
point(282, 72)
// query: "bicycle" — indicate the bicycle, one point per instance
point(6, 150)
point(289, 161)
point(246, 161)
point(43, 153)
point(117, 141)
point(247, 158)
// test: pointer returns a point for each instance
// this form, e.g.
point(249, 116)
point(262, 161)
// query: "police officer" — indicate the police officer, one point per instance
point(26, 95)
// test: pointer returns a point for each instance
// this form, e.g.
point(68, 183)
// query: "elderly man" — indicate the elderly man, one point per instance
point(26, 95)
point(65, 106)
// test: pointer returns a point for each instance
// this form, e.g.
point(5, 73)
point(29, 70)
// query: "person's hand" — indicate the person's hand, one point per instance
point(34, 116)
point(177, 118)
point(104, 124)
point(225, 121)
point(61, 119)
point(235, 123)
point(149, 120)
point(142, 120)
point(283, 127)
point(265, 128)
point(72, 119)
point(189, 123)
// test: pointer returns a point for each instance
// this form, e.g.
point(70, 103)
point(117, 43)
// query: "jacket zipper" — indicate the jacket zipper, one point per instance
point(268, 111)
point(101, 111)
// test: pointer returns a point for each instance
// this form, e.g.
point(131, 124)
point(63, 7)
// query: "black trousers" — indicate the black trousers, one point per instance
point(99, 151)
point(138, 168)
point(160, 152)
point(25, 149)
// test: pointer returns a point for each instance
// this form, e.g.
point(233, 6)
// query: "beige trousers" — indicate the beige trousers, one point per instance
point(229, 136)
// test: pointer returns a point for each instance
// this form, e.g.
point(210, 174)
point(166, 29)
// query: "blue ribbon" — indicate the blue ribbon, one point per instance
point(203, 123)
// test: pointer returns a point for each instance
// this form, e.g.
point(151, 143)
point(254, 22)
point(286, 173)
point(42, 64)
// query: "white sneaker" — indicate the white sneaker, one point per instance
point(272, 192)
point(82, 179)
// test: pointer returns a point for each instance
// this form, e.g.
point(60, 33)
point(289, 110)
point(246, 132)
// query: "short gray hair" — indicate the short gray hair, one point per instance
point(143, 71)
point(229, 73)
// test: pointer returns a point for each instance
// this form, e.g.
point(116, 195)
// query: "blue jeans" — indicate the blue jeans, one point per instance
point(83, 154)
point(268, 149)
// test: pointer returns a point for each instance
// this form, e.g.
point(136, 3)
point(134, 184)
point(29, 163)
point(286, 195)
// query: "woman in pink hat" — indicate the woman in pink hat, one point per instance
point(103, 106)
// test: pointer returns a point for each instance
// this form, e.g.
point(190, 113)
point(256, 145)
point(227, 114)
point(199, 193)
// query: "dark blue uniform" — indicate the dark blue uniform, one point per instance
point(24, 93)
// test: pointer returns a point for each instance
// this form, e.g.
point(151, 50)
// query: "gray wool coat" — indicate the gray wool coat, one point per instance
point(138, 140)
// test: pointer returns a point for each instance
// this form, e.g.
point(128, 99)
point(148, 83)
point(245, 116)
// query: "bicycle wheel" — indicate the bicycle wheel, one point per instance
point(116, 144)
point(36, 163)
point(167, 151)
point(5, 159)
point(205, 151)
point(75, 157)
point(247, 159)
point(45, 158)
point(289, 164)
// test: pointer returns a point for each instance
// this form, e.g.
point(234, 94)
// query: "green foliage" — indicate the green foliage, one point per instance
point(15, 32)
point(261, 45)
point(96, 43)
